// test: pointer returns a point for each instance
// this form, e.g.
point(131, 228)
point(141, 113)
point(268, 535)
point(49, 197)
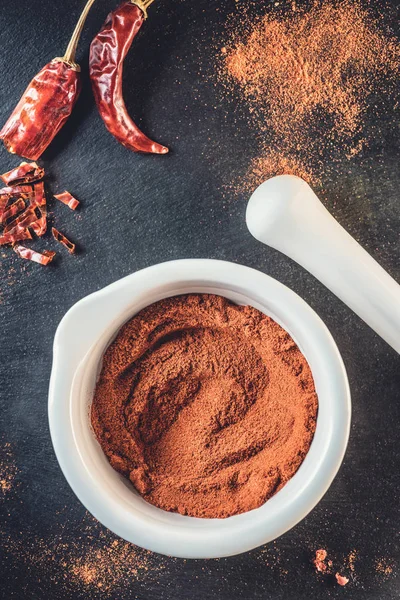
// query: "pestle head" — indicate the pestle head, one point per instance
point(275, 202)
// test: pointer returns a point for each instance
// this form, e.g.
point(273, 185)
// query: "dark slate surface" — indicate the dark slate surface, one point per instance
point(140, 210)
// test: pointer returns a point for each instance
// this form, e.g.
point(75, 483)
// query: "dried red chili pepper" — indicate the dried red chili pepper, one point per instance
point(107, 54)
point(46, 103)
point(64, 241)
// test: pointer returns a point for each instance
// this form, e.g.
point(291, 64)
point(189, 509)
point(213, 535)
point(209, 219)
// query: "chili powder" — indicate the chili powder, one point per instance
point(209, 408)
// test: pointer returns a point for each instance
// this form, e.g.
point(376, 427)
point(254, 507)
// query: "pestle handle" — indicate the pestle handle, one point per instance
point(286, 214)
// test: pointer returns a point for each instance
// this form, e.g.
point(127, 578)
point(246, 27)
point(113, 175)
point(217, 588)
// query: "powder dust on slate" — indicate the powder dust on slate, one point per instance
point(308, 79)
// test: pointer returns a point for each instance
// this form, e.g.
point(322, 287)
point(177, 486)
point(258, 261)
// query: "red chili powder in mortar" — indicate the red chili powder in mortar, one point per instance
point(209, 408)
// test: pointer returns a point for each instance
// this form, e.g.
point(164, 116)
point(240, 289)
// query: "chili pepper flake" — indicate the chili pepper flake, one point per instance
point(38, 201)
point(25, 173)
point(23, 211)
point(39, 227)
point(68, 199)
point(3, 202)
point(23, 221)
point(15, 190)
point(319, 560)
point(39, 198)
point(12, 210)
point(341, 580)
point(64, 241)
point(12, 237)
point(321, 554)
point(43, 258)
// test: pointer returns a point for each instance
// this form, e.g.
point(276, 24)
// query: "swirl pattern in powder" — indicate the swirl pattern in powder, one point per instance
point(209, 408)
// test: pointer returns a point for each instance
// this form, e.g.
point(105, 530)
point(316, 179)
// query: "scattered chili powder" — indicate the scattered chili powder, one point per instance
point(351, 559)
point(307, 78)
point(208, 407)
point(272, 163)
point(95, 561)
point(8, 469)
point(384, 566)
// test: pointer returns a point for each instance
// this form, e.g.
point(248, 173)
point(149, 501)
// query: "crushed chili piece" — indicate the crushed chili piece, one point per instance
point(39, 227)
point(12, 210)
point(320, 556)
point(25, 173)
point(23, 211)
point(64, 241)
point(23, 221)
point(341, 580)
point(39, 198)
point(15, 190)
point(12, 237)
point(3, 202)
point(68, 199)
point(43, 258)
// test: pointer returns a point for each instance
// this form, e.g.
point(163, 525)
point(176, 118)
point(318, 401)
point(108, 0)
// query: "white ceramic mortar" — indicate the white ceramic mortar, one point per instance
point(80, 341)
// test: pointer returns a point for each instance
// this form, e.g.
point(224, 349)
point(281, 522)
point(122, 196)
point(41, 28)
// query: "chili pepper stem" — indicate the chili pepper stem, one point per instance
point(70, 53)
point(143, 5)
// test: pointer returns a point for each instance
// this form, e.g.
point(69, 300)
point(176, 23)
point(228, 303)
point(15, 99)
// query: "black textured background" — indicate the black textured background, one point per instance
point(141, 210)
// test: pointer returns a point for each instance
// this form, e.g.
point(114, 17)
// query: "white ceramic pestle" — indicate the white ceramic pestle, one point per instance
point(285, 213)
